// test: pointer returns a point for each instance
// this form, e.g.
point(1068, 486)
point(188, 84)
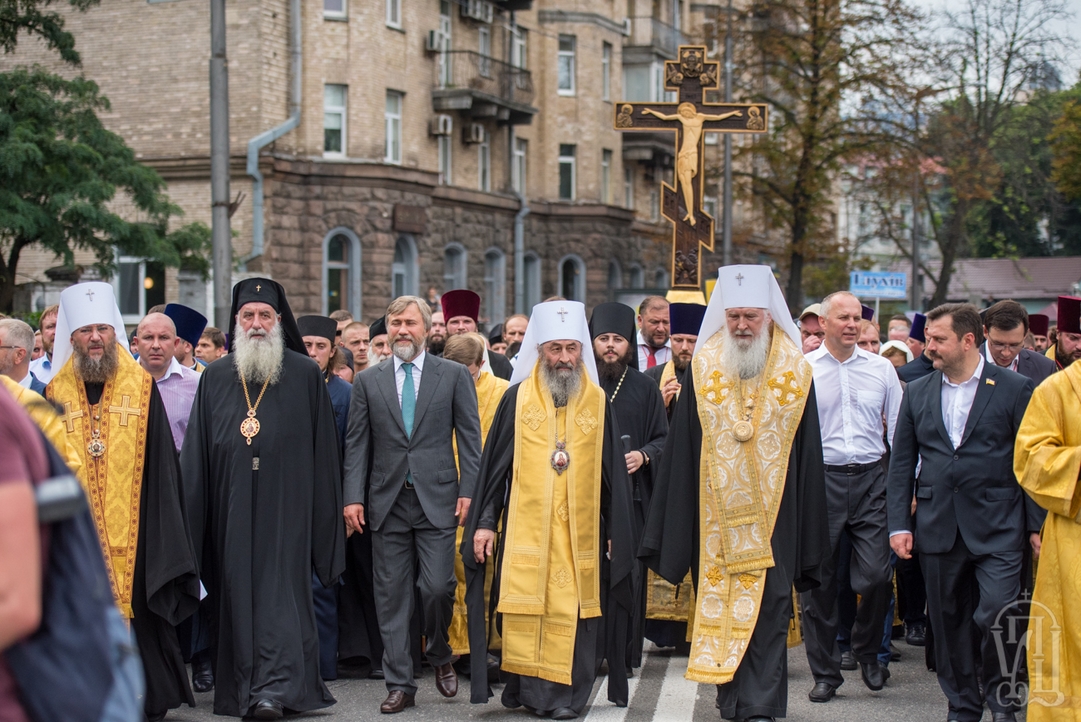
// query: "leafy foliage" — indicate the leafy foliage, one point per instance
point(34, 18)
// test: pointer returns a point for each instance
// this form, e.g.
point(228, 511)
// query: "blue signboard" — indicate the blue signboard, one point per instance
point(879, 284)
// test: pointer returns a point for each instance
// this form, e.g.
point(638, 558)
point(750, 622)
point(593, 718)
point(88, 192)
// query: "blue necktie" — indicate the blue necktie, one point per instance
point(409, 399)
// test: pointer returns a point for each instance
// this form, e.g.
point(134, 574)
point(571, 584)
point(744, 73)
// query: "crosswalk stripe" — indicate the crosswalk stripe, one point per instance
point(678, 695)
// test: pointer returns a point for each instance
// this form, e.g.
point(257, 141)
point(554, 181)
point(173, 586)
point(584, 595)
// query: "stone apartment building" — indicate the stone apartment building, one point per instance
point(426, 127)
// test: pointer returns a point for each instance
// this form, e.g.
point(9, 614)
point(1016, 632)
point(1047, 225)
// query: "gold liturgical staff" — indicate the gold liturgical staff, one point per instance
point(690, 117)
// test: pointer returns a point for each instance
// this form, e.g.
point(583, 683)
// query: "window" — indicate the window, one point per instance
point(628, 187)
point(334, 119)
point(606, 176)
point(615, 275)
point(443, 148)
point(712, 138)
point(655, 205)
point(638, 278)
point(660, 278)
point(709, 205)
point(566, 172)
point(138, 285)
point(445, 71)
point(566, 64)
point(393, 119)
point(572, 278)
point(519, 49)
point(484, 48)
point(394, 13)
point(341, 272)
point(404, 269)
point(484, 163)
point(606, 71)
point(495, 286)
point(518, 165)
point(454, 267)
point(531, 270)
point(335, 9)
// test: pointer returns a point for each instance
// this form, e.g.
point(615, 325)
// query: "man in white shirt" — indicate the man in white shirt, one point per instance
point(654, 337)
point(857, 391)
point(16, 343)
point(42, 367)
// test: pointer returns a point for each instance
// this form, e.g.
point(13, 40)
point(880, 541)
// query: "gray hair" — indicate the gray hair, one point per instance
point(827, 302)
point(17, 333)
point(398, 306)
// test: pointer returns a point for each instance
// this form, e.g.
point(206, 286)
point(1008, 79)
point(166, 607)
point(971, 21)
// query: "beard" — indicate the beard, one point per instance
point(97, 371)
point(407, 349)
point(1064, 359)
point(745, 355)
point(562, 380)
point(680, 363)
point(259, 354)
point(613, 371)
point(436, 344)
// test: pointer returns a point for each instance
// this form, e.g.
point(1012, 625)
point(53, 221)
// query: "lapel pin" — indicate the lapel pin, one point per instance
point(990, 382)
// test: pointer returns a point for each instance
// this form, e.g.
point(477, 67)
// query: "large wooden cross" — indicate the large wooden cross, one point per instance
point(691, 75)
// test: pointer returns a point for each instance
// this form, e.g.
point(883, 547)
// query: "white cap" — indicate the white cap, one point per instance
point(746, 287)
point(554, 321)
point(85, 304)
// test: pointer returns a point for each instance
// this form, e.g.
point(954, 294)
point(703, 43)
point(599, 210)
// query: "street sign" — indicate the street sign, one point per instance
point(879, 284)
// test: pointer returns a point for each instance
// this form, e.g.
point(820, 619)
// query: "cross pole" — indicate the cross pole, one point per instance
point(691, 75)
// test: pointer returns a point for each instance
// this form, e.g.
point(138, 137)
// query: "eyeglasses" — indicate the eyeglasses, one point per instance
point(999, 346)
point(10, 346)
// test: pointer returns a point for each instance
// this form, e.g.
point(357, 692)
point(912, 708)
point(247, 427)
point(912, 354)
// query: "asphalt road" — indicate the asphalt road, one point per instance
point(659, 692)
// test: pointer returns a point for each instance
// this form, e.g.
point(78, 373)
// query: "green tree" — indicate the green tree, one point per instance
point(1066, 147)
point(61, 171)
point(35, 19)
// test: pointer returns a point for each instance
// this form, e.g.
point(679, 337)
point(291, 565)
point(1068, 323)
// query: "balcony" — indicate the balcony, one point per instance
point(485, 87)
point(656, 148)
point(649, 32)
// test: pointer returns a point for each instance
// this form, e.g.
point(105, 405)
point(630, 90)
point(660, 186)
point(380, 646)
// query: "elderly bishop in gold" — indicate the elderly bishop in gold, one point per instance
point(116, 422)
point(743, 465)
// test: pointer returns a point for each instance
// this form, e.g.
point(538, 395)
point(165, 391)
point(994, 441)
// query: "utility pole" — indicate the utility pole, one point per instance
point(221, 234)
point(727, 221)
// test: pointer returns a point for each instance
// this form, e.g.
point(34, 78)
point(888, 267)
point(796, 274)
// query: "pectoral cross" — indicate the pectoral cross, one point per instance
point(691, 75)
point(125, 409)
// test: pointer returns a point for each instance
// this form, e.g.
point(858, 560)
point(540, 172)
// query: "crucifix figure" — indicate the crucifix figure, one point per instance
point(690, 117)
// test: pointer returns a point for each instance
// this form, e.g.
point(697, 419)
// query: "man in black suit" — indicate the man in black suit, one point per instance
point(970, 519)
point(921, 365)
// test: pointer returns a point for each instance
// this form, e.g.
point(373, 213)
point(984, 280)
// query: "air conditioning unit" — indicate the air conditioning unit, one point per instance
point(442, 125)
point(432, 43)
point(474, 133)
point(479, 10)
point(626, 27)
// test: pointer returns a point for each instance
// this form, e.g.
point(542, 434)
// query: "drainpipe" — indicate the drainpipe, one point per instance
point(264, 139)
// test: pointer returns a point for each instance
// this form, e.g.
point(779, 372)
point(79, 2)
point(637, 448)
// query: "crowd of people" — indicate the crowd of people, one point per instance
point(294, 499)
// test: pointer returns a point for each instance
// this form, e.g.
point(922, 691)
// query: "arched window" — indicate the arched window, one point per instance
point(455, 262)
point(615, 275)
point(638, 279)
point(404, 270)
point(572, 278)
point(531, 272)
point(341, 272)
point(660, 278)
point(495, 286)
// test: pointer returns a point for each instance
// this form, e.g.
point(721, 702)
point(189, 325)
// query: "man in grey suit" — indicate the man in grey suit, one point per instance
point(400, 474)
point(969, 521)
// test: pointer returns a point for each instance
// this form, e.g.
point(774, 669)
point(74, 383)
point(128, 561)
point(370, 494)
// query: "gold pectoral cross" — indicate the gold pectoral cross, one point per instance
point(691, 117)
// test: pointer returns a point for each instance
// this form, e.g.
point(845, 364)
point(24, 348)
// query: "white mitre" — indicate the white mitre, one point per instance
point(85, 304)
point(554, 321)
point(746, 287)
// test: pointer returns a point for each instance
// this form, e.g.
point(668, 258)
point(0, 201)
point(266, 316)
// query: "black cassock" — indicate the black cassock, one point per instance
point(489, 503)
point(165, 585)
point(800, 545)
point(640, 414)
point(261, 528)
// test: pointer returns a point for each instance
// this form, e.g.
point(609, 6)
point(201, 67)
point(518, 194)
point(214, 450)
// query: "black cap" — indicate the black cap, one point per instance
point(322, 326)
point(686, 318)
point(348, 356)
point(496, 334)
point(189, 322)
point(378, 327)
point(617, 318)
point(263, 290)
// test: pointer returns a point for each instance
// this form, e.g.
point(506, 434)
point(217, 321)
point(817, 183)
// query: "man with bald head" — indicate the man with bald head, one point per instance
point(157, 343)
point(356, 339)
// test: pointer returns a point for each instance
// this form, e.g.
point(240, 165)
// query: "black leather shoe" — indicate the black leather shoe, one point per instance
point(397, 701)
point(848, 661)
point(564, 713)
point(156, 717)
point(874, 675)
point(761, 719)
point(916, 634)
point(376, 673)
point(266, 709)
point(895, 654)
point(822, 692)
point(1003, 717)
point(202, 676)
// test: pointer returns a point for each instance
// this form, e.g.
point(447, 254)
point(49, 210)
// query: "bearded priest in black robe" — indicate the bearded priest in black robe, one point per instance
point(261, 467)
point(639, 411)
point(740, 497)
point(553, 478)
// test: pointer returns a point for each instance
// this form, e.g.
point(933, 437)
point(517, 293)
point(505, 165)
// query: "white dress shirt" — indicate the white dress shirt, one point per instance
point(399, 374)
point(663, 354)
point(25, 380)
point(957, 403)
point(991, 359)
point(42, 367)
point(853, 398)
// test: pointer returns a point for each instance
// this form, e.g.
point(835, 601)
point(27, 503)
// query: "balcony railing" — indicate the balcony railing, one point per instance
point(481, 74)
point(649, 31)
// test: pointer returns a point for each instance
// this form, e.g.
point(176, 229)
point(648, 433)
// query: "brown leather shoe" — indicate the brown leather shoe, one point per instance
point(397, 701)
point(446, 680)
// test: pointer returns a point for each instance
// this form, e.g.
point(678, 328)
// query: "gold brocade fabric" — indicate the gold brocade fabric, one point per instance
point(738, 500)
point(1047, 462)
point(490, 390)
point(113, 481)
point(550, 575)
point(44, 416)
